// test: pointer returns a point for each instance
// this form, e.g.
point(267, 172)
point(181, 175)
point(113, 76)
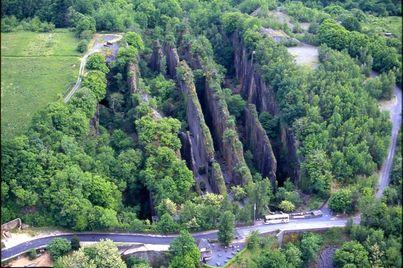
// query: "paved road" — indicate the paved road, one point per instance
point(98, 45)
point(308, 224)
point(395, 110)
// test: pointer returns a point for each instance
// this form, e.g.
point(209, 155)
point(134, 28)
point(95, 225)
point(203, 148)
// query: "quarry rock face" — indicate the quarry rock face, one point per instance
point(133, 77)
point(221, 124)
point(225, 135)
point(157, 57)
point(258, 92)
point(201, 153)
point(259, 144)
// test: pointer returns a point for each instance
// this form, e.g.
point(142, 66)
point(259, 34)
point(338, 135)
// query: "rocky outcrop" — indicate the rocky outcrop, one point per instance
point(258, 143)
point(172, 60)
point(290, 145)
point(257, 91)
point(224, 133)
point(219, 121)
point(253, 86)
point(201, 153)
point(133, 77)
point(157, 60)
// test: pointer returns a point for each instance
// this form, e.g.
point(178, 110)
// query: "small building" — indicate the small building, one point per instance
point(205, 250)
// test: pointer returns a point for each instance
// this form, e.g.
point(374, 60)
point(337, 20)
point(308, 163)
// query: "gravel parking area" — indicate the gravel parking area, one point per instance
point(222, 255)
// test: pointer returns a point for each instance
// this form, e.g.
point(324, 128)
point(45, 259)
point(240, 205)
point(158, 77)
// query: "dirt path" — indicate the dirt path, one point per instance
point(305, 54)
point(96, 45)
point(394, 108)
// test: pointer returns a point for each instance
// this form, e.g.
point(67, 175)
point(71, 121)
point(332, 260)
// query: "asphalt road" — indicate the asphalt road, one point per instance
point(395, 111)
point(243, 232)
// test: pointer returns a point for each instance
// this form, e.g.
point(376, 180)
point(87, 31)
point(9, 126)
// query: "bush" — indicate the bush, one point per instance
point(238, 192)
point(87, 34)
point(8, 24)
point(75, 243)
point(286, 206)
point(32, 254)
point(341, 201)
point(82, 46)
point(97, 62)
point(59, 247)
point(291, 42)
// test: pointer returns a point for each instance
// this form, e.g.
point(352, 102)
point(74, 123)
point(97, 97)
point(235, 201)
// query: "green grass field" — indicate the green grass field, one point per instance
point(36, 69)
point(380, 25)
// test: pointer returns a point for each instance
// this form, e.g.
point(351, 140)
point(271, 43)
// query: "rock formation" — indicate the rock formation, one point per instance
point(201, 143)
point(258, 143)
point(258, 92)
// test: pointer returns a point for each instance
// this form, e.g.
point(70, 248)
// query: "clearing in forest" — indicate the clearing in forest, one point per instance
point(36, 69)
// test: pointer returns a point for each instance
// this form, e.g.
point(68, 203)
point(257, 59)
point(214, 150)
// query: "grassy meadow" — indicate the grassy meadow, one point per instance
point(36, 69)
point(380, 25)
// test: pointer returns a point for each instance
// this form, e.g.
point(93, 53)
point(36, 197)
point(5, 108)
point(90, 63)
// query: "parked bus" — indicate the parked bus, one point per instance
point(276, 218)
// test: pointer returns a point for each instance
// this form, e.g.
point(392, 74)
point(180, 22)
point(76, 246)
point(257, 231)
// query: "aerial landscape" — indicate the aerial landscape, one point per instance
point(201, 133)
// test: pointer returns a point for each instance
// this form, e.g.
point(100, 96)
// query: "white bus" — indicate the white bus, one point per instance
point(276, 218)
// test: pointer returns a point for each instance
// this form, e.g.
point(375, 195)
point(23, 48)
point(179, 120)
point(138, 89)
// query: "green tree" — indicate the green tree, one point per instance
point(226, 228)
point(184, 247)
point(183, 261)
point(76, 259)
point(136, 262)
point(96, 62)
point(351, 23)
point(260, 193)
point(167, 176)
point(85, 23)
point(317, 172)
point(32, 254)
point(253, 240)
point(134, 39)
point(351, 252)
point(293, 255)
point(105, 254)
point(96, 82)
point(272, 259)
point(120, 141)
point(75, 243)
point(238, 192)
point(58, 247)
point(234, 102)
point(341, 201)
point(310, 245)
point(286, 206)
point(166, 224)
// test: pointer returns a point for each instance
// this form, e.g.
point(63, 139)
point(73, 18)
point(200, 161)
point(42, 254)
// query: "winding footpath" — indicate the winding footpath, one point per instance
point(98, 45)
point(395, 110)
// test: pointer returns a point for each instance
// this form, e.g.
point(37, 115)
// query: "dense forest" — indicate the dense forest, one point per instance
point(202, 116)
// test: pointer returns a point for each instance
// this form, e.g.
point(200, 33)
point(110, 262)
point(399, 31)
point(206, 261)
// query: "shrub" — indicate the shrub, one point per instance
point(82, 46)
point(341, 201)
point(9, 23)
point(59, 247)
point(32, 254)
point(286, 206)
point(75, 243)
